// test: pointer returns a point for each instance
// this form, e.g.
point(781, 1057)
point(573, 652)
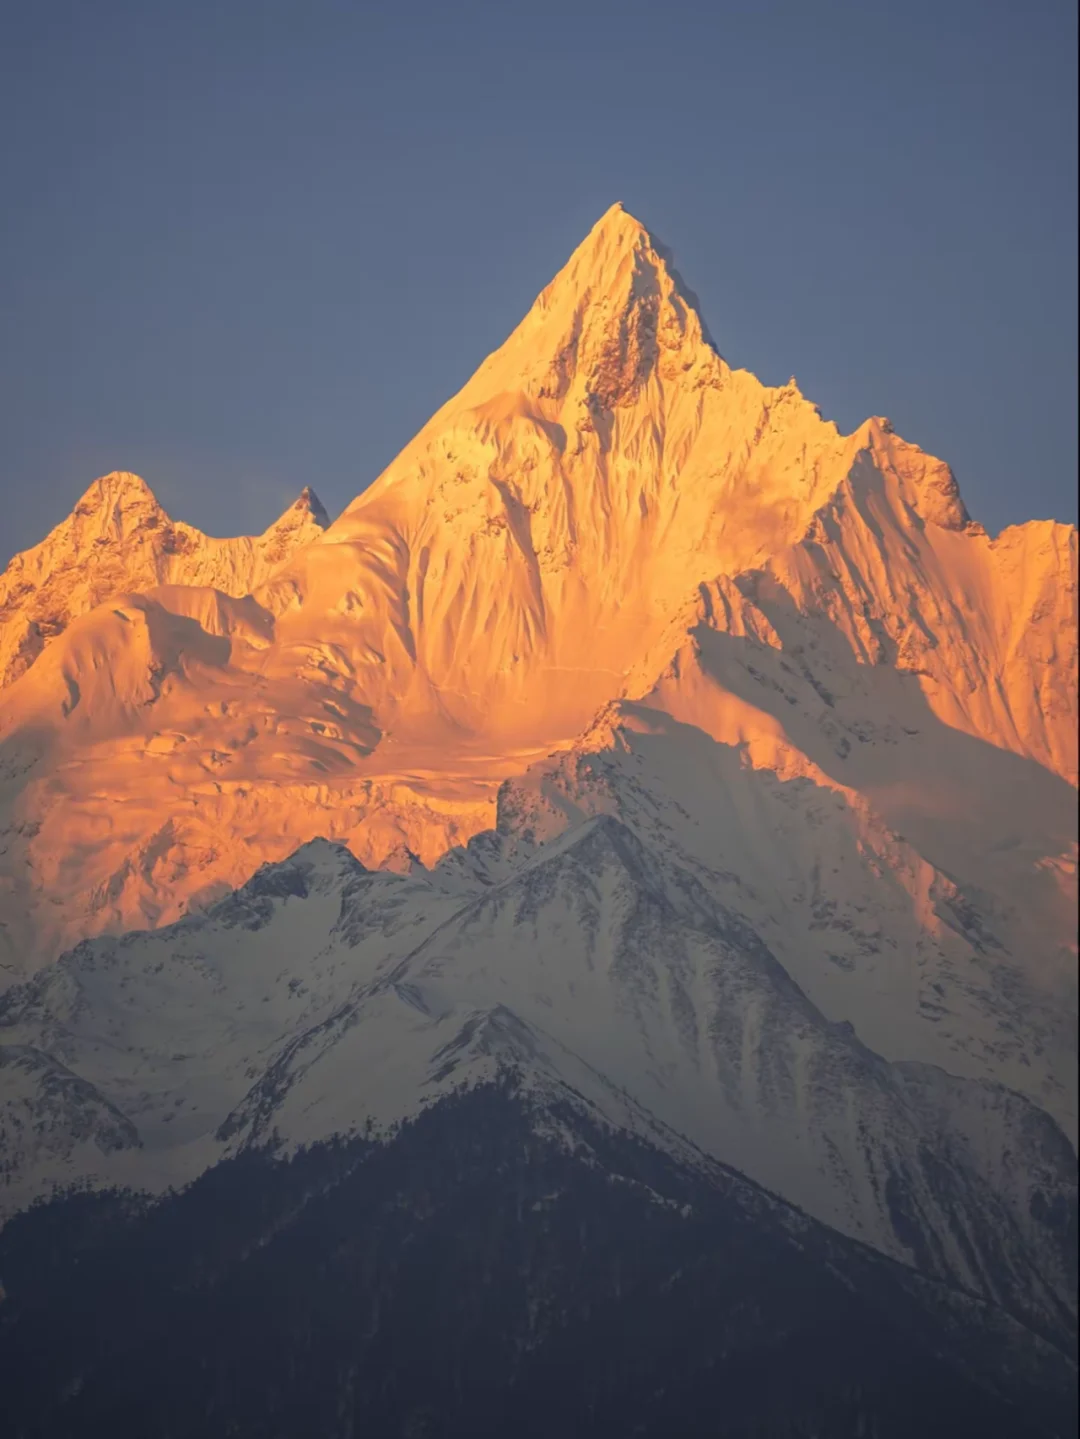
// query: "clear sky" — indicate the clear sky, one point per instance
point(253, 244)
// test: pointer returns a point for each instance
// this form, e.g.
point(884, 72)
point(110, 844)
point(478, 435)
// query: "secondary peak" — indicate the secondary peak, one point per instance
point(310, 503)
point(120, 489)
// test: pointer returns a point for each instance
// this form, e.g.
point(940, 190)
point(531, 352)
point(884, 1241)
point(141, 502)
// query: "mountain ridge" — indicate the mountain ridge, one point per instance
point(79, 565)
point(324, 998)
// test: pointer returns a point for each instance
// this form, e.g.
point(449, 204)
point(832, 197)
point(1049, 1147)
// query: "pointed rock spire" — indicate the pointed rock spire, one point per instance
point(304, 520)
point(310, 504)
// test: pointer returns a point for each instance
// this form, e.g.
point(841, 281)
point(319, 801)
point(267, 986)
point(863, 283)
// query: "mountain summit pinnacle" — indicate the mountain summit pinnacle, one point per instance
point(618, 245)
point(615, 317)
point(617, 219)
point(309, 503)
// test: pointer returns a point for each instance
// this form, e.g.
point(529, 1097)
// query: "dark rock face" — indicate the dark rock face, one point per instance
point(498, 1267)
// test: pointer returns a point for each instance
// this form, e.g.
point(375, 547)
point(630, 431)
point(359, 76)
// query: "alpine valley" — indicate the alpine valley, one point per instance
point(581, 945)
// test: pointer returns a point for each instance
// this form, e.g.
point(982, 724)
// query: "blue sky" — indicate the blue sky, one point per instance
point(252, 245)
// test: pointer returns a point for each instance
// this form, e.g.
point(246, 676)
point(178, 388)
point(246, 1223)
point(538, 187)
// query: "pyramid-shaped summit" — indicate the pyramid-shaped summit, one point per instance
point(604, 319)
point(597, 467)
point(528, 549)
point(620, 246)
point(309, 502)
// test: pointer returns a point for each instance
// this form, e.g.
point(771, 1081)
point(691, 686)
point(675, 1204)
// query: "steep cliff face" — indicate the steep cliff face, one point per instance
point(603, 487)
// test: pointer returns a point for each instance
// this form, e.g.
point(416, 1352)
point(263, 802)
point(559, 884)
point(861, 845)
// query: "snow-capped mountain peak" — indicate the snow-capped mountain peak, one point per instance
point(119, 538)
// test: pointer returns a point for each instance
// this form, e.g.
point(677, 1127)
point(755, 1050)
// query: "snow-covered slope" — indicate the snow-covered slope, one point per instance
point(324, 999)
